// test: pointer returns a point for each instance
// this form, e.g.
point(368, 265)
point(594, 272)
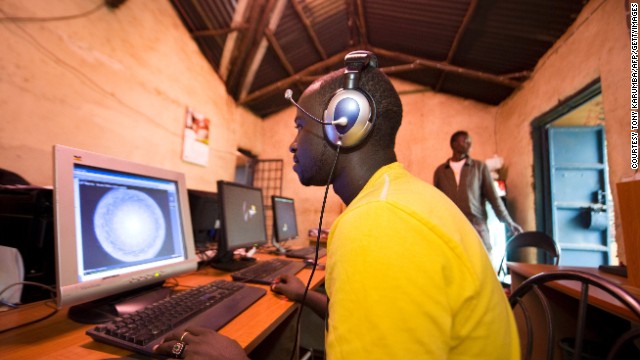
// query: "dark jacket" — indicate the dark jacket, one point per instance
point(476, 187)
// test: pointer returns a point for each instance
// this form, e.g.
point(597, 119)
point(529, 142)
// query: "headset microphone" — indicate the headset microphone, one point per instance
point(341, 121)
point(350, 114)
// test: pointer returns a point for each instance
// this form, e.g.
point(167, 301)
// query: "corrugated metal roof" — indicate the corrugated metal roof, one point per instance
point(477, 49)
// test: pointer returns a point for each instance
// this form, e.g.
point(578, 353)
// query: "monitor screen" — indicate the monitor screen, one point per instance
point(120, 226)
point(205, 218)
point(243, 220)
point(284, 218)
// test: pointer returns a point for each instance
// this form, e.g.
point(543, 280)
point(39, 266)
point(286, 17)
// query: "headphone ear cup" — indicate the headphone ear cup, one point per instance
point(357, 108)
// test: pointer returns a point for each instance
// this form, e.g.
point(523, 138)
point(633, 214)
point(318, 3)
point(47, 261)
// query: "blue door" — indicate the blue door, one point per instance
point(579, 194)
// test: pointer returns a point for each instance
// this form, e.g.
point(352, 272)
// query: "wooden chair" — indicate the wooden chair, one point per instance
point(535, 239)
point(531, 296)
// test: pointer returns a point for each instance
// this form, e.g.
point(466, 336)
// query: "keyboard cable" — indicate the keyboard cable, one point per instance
point(47, 303)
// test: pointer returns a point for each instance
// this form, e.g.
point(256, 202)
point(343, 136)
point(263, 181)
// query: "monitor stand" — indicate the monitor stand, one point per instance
point(279, 248)
point(106, 309)
point(227, 262)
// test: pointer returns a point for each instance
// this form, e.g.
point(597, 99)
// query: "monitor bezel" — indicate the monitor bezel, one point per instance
point(198, 198)
point(70, 290)
point(223, 240)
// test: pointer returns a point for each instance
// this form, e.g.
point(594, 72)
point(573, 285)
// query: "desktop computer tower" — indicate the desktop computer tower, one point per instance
point(26, 223)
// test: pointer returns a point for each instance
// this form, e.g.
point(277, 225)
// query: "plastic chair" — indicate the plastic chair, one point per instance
point(536, 239)
point(525, 296)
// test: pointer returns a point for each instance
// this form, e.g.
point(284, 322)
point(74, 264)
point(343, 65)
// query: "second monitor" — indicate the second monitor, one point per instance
point(243, 224)
point(285, 226)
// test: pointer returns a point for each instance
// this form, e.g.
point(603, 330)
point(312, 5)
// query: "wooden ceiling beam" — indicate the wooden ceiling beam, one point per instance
point(218, 32)
point(317, 70)
point(275, 45)
point(259, 14)
point(456, 41)
point(202, 13)
point(413, 61)
point(362, 25)
point(258, 55)
point(309, 28)
point(305, 75)
point(518, 75)
point(230, 44)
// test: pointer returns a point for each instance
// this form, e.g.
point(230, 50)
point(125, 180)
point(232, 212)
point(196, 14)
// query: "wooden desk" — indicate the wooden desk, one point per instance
point(597, 297)
point(60, 338)
point(608, 318)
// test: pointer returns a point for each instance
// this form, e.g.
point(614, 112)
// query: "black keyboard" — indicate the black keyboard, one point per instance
point(212, 305)
point(265, 271)
point(308, 252)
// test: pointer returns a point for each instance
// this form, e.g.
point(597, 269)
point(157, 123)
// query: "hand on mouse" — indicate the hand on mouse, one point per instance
point(202, 343)
point(289, 286)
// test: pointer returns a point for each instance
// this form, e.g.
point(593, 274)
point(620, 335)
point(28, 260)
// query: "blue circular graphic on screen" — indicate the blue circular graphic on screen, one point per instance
point(129, 225)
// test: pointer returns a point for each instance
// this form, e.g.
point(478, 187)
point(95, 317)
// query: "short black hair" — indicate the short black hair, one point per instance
point(457, 134)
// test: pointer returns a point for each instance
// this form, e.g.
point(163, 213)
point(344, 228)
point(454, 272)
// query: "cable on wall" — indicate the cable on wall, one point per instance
point(103, 3)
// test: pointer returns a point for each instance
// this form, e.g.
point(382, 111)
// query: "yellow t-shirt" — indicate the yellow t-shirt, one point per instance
point(408, 278)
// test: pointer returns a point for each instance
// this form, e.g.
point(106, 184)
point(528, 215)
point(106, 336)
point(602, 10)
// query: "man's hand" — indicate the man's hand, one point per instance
point(202, 343)
point(514, 228)
point(289, 286)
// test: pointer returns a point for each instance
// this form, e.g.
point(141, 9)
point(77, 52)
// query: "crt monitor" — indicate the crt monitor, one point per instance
point(122, 228)
point(243, 223)
point(285, 226)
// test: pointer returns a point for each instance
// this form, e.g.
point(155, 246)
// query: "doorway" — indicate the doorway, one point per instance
point(573, 198)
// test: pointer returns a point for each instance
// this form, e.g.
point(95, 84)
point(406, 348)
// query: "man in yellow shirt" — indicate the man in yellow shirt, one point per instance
point(407, 276)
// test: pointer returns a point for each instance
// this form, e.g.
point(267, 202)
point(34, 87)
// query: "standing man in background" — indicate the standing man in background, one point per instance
point(468, 183)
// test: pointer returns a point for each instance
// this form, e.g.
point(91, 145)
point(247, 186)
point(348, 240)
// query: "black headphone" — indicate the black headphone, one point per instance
point(351, 112)
point(352, 104)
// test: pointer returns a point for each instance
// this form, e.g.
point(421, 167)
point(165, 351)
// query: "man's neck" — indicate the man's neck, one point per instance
point(459, 157)
point(353, 175)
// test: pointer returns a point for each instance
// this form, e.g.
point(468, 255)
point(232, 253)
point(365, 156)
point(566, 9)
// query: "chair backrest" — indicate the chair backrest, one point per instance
point(538, 322)
point(536, 239)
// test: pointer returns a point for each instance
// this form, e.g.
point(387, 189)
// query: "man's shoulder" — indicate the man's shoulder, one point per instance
point(443, 165)
point(475, 163)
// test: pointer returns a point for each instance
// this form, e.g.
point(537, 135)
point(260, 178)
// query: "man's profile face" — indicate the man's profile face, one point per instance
point(461, 144)
point(311, 152)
